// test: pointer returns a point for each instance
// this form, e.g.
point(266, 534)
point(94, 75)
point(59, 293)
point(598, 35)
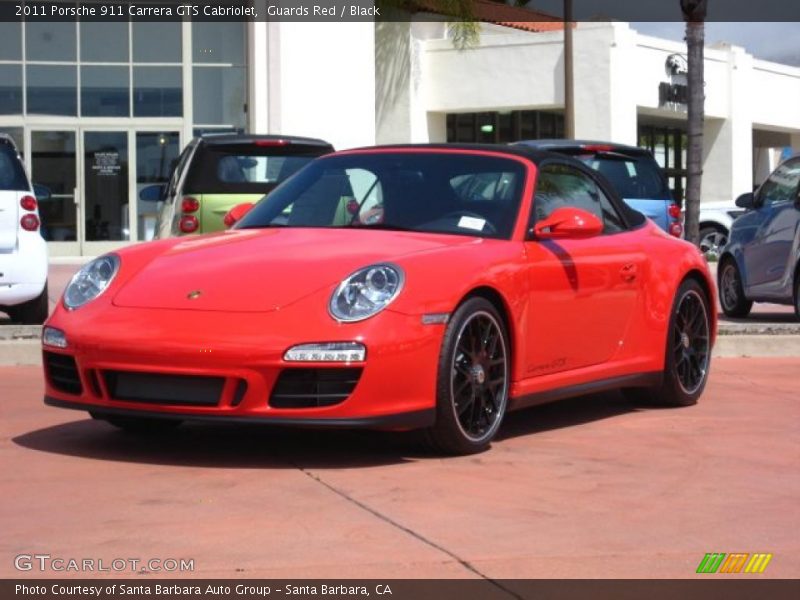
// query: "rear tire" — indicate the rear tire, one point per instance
point(32, 312)
point(139, 425)
point(473, 380)
point(731, 292)
point(688, 350)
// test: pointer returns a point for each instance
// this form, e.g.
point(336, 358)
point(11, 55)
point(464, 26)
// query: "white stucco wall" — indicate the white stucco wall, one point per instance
point(320, 82)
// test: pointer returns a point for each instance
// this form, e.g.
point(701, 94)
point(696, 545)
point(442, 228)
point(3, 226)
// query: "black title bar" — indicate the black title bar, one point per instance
point(388, 10)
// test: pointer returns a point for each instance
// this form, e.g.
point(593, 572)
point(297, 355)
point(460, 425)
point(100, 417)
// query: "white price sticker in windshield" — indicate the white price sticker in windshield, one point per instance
point(472, 223)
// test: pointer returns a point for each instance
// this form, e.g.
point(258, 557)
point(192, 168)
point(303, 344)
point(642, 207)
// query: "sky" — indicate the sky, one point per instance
point(779, 42)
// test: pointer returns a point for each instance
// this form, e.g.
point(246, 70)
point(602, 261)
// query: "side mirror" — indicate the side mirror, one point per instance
point(152, 193)
point(42, 192)
point(568, 223)
point(746, 201)
point(235, 214)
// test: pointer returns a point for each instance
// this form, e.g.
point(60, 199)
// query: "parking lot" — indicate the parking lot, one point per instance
point(592, 487)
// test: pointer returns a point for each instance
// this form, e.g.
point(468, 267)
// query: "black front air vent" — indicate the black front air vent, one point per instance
point(158, 388)
point(63, 373)
point(313, 388)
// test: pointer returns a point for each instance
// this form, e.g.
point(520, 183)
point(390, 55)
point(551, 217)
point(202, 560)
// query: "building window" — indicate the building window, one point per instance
point(10, 41)
point(50, 41)
point(104, 42)
point(105, 92)
point(52, 90)
point(504, 127)
point(123, 70)
point(157, 92)
point(219, 75)
point(157, 43)
point(10, 89)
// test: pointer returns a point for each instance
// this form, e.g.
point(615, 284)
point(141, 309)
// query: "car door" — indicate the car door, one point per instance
point(774, 226)
point(582, 292)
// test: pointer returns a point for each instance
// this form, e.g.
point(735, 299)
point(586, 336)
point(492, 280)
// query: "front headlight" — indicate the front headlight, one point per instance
point(91, 281)
point(366, 292)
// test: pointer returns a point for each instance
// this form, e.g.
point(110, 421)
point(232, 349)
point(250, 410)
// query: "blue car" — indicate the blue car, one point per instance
point(631, 170)
point(761, 262)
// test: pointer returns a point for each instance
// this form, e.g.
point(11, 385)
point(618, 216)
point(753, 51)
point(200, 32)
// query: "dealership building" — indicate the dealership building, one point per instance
point(100, 111)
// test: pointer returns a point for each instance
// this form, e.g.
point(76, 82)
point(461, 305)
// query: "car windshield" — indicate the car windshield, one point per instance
point(633, 177)
point(436, 192)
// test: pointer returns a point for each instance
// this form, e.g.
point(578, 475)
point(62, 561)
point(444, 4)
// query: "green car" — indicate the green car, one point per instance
point(217, 172)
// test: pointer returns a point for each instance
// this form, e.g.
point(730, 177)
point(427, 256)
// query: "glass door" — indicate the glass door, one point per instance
point(106, 203)
point(53, 162)
point(156, 155)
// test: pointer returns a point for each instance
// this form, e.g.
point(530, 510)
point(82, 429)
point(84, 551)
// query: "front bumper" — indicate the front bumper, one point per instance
point(396, 387)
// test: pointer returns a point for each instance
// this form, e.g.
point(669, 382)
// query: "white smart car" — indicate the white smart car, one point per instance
point(23, 251)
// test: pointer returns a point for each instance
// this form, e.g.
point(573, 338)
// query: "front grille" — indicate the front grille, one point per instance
point(157, 388)
point(312, 388)
point(63, 373)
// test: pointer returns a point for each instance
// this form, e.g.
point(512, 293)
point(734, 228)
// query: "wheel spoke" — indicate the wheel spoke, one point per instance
point(478, 384)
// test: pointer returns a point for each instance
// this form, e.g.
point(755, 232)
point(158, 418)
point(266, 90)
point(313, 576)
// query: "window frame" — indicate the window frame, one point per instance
point(593, 176)
point(761, 201)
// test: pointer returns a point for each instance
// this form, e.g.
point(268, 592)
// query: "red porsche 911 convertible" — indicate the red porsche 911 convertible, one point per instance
point(403, 287)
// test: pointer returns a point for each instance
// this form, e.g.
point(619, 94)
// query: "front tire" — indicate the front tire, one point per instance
point(473, 380)
point(731, 291)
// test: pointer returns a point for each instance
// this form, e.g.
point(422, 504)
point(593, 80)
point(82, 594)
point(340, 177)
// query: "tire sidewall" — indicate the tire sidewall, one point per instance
point(741, 307)
point(447, 429)
point(672, 389)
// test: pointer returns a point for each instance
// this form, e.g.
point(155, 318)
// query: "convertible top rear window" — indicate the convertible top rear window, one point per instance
point(437, 192)
point(245, 169)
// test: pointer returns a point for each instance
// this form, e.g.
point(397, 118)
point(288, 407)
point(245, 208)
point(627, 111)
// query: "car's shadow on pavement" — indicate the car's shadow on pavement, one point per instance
point(252, 446)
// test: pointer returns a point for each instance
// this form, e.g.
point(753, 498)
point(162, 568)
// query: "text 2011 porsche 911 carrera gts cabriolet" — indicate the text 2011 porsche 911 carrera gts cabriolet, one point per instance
point(404, 287)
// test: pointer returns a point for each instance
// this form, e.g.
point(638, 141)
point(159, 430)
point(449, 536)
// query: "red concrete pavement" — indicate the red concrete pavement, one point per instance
point(592, 487)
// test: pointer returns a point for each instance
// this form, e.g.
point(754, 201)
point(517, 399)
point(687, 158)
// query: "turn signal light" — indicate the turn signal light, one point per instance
point(190, 205)
point(328, 352)
point(189, 224)
point(674, 211)
point(28, 203)
point(676, 229)
point(29, 222)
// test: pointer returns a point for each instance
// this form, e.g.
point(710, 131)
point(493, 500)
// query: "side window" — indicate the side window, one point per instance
point(560, 186)
point(782, 185)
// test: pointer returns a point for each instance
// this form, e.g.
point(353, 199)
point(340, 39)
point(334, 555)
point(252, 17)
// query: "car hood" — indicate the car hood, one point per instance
point(264, 270)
